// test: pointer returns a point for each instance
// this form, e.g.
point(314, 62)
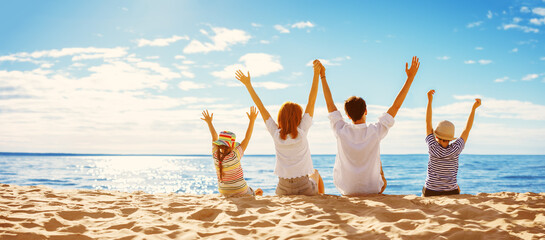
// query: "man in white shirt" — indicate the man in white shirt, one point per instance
point(358, 169)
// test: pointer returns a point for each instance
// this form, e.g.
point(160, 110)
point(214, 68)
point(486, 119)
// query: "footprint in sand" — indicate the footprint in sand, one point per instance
point(53, 224)
point(406, 225)
point(123, 226)
point(128, 211)
point(75, 229)
point(76, 215)
point(205, 214)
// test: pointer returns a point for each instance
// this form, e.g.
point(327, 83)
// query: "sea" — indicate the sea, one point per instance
point(195, 174)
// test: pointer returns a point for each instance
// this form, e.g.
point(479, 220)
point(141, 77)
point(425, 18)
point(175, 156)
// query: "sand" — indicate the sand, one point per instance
point(38, 212)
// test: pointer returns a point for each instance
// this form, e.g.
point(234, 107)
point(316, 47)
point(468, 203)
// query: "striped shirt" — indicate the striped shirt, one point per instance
point(232, 181)
point(443, 164)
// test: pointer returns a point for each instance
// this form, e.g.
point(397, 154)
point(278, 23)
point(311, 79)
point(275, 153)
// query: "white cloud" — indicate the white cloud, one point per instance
point(187, 74)
point(530, 77)
point(76, 53)
point(537, 21)
point(466, 97)
point(469, 62)
point(517, 19)
point(489, 14)
point(46, 65)
point(189, 85)
point(259, 64)
point(503, 79)
point(443, 58)
point(479, 48)
point(160, 42)
point(514, 50)
point(474, 24)
point(152, 57)
point(281, 29)
point(188, 62)
point(221, 41)
point(179, 57)
point(542, 58)
point(264, 42)
point(329, 62)
point(270, 85)
point(485, 61)
point(539, 11)
point(256, 25)
point(529, 42)
point(524, 9)
point(300, 25)
point(526, 29)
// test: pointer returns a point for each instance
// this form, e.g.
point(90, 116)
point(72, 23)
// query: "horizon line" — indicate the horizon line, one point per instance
point(203, 155)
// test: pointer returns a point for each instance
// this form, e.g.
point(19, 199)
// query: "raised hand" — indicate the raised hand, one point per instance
point(477, 103)
point(322, 71)
point(317, 66)
point(411, 72)
point(430, 95)
point(242, 78)
point(206, 116)
point(252, 115)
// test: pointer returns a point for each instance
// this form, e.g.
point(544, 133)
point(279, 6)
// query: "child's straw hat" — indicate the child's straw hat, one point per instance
point(444, 130)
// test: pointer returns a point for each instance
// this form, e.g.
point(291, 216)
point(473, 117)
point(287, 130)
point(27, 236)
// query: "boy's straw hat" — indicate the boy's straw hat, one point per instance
point(227, 138)
point(444, 130)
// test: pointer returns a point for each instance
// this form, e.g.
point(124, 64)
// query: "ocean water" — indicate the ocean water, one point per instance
point(195, 174)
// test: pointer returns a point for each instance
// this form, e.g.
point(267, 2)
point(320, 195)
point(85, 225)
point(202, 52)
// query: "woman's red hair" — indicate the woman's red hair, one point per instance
point(289, 117)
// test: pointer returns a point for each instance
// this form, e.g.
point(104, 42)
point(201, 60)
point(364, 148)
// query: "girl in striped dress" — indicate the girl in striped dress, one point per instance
point(227, 154)
point(442, 173)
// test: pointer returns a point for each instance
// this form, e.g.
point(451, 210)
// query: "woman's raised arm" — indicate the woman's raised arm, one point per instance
point(246, 81)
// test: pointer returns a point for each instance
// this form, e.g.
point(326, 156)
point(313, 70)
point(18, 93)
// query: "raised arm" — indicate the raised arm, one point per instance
point(252, 115)
point(248, 84)
point(327, 93)
point(429, 126)
point(313, 89)
point(411, 72)
point(208, 119)
point(469, 124)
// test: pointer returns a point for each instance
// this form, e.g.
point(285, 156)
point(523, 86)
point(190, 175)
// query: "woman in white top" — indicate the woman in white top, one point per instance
point(296, 175)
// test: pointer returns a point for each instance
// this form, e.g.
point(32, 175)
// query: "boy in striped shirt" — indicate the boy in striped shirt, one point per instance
point(443, 162)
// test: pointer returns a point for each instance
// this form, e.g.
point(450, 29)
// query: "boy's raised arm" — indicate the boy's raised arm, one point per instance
point(469, 124)
point(313, 89)
point(208, 119)
point(246, 81)
point(252, 115)
point(411, 72)
point(429, 126)
point(327, 93)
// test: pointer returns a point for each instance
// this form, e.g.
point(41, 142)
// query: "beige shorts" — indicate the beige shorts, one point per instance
point(297, 186)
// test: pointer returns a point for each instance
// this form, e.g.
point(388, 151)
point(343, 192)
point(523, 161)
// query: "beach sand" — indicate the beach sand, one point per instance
point(38, 212)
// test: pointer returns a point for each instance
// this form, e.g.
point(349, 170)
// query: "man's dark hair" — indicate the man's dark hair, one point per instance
point(355, 107)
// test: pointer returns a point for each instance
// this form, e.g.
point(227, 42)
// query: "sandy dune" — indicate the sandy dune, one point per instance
point(38, 212)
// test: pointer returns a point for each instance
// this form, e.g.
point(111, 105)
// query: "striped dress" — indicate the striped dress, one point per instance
point(232, 182)
point(443, 164)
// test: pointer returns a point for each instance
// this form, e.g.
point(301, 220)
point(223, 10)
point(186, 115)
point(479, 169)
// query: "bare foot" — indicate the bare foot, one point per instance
point(259, 192)
point(318, 180)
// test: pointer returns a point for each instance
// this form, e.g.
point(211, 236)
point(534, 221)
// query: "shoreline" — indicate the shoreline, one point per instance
point(39, 212)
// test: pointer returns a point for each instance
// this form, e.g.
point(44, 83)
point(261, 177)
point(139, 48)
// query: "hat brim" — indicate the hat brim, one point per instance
point(443, 137)
point(225, 143)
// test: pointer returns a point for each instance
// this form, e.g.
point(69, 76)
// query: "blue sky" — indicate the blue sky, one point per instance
point(133, 76)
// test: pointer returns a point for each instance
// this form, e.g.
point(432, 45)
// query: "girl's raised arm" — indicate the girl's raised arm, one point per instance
point(314, 88)
point(252, 115)
point(208, 119)
point(246, 81)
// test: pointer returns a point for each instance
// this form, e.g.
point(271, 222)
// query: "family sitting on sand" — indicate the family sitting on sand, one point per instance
point(357, 169)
